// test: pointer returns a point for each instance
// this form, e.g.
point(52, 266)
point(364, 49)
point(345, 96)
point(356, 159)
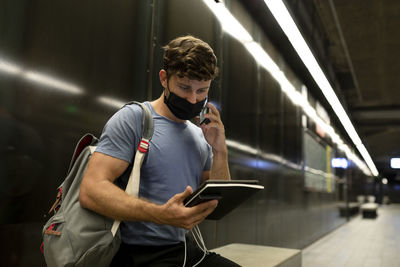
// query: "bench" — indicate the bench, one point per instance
point(255, 256)
point(369, 210)
point(353, 208)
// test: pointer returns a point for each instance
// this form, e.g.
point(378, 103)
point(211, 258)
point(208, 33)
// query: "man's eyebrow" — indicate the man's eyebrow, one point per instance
point(185, 85)
point(189, 86)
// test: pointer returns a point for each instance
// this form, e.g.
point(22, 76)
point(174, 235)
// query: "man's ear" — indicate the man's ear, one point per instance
point(163, 78)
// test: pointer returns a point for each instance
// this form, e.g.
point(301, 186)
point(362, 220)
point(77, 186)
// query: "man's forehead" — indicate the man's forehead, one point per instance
point(193, 83)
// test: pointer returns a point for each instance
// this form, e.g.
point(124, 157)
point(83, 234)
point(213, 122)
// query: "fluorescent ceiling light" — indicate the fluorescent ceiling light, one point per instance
point(282, 16)
point(231, 26)
point(262, 57)
point(229, 23)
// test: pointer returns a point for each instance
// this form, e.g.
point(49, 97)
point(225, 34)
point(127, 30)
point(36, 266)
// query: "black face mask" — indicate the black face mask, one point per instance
point(181, 108)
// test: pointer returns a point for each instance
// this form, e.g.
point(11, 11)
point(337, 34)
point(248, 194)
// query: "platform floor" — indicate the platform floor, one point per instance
point(359, 243)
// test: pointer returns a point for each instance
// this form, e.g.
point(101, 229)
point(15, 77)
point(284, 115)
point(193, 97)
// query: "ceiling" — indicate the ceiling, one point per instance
point(357, 43)
point(363, 42)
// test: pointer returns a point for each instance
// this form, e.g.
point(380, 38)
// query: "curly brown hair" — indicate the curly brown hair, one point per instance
point(190, 57)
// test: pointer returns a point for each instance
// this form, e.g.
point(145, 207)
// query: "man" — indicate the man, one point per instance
point(179, 159)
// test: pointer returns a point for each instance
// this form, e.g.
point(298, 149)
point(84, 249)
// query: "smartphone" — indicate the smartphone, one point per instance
point(205, 110)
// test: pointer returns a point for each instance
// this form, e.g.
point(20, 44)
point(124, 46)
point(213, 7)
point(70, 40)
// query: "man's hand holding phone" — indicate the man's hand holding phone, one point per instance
point(213, 128)
point(204, 111)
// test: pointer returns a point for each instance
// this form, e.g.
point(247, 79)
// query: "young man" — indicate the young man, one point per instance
point(180, 157)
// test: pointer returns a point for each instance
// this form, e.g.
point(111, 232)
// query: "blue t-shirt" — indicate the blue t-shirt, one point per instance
point(177, 157)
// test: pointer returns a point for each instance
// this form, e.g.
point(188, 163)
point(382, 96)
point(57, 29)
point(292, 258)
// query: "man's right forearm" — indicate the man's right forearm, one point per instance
point(109, 200)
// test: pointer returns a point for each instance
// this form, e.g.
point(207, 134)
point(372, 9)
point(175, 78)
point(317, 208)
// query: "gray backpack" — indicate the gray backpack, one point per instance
point(75, 236)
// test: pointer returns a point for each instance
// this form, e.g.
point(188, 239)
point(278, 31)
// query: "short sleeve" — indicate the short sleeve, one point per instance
point(121, 134)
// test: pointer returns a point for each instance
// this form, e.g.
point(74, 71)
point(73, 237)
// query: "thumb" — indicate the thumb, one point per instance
point(181, 196)
point(197, 120)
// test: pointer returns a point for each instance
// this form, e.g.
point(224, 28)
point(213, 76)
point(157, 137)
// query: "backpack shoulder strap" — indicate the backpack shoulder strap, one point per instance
point(132, 188)
point(147, 121)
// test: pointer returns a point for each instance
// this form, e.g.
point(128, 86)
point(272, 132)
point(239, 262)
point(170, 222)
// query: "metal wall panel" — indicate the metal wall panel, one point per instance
point(113, 50)
point(59, 58)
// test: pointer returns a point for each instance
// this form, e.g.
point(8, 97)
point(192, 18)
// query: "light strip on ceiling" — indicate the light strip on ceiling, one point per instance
point(231, 26)
point(286, 22)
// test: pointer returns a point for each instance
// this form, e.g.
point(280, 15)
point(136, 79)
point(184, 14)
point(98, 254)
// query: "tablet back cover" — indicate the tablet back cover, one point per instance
point(230, 194)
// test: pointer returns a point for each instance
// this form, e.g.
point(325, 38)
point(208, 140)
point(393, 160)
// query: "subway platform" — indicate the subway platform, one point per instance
point(359, 243)
point(362, 242)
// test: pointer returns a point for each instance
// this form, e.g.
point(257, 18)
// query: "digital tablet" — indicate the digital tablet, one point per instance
point(230, 194)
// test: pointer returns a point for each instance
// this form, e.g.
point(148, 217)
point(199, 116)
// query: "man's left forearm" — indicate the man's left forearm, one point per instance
point(220, 167)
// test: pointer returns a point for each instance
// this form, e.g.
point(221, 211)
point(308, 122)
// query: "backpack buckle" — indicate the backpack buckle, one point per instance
point(143, 146)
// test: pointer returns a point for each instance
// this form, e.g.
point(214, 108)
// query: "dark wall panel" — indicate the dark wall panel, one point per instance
point(100, 48)
point(61, 57)
point(173, 19)
point(99, 52)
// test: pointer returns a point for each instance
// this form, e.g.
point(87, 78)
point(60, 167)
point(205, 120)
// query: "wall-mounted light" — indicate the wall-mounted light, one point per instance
point(395, 163)
point(9, 67)
point(39, 78)
point(52, 82)
point(111, 102)
point(340, 163)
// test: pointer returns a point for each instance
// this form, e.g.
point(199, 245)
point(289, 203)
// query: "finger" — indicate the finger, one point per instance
point(200, 208)
point(200, 214)
point(212, 117)
point(181, 196)
point(212, 125)
point(197, 120)
point(195, 216)
point(214, 110)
